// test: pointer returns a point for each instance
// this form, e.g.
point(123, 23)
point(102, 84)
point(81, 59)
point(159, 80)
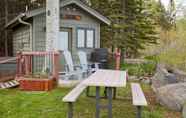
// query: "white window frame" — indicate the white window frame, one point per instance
point(86, 38)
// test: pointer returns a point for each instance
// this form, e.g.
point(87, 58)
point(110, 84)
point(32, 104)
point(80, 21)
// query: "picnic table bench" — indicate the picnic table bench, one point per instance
point(110, 79)
point(138, 98)
point(101, 78)
point(72, 96)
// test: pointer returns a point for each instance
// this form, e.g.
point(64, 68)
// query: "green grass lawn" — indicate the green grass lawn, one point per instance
point(19, 104)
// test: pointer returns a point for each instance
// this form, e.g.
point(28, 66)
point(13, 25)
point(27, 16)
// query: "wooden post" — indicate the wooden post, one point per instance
point(6, 32)
point(19, 64)
point(56, 65)
point(118, 58)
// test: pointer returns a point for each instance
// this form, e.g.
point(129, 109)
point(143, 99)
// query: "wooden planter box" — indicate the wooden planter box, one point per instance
point(36, 84)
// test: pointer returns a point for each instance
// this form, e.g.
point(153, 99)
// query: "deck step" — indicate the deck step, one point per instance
point(9, 84)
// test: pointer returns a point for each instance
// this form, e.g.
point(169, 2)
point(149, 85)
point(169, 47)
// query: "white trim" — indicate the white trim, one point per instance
point(88, 9)
point(91, 11)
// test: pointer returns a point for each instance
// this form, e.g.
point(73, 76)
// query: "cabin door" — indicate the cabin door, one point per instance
point(65, 39)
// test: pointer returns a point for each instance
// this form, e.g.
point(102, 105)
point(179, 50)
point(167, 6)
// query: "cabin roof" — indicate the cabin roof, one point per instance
point(32, 13)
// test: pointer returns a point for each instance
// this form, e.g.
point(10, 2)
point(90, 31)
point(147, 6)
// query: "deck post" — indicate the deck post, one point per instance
point(114, 92)
point(70, 110)
point(139, 109)
point(97, 101)
point(109, 102)
point(87, 91)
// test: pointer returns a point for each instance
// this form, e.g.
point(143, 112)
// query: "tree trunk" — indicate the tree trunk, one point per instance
point(6, 32)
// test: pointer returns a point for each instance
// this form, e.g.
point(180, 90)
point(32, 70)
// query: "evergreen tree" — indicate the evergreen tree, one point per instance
point(132, 24)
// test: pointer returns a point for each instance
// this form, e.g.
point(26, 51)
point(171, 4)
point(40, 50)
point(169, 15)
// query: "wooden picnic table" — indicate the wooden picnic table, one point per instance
point(109, 79)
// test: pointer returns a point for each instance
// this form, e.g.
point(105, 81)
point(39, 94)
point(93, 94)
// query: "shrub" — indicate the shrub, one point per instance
point(145, 69)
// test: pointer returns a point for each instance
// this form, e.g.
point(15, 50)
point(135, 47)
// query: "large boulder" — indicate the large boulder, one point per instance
point(180, 75)
point(172, 96)
point(162, 77)
point(184, 111)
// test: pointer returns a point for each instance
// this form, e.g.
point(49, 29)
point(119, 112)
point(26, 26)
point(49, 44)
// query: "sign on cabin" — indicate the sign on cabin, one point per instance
point(71, 17)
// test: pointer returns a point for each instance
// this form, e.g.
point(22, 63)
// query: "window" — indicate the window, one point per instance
point(81, 38)
point(90, 38)
point(85, 38)
point(63, 40)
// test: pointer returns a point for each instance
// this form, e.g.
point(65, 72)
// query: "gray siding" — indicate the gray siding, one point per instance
point(39, 41)
point(39, 33)
point(21, 34)
point(21, 39)
point(87, 21)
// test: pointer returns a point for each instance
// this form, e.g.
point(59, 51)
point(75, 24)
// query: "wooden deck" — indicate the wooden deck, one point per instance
point(7, 68)
point(4, 60)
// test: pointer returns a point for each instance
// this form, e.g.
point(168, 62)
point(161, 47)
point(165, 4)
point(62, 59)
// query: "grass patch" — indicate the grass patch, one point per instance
point(19, 104)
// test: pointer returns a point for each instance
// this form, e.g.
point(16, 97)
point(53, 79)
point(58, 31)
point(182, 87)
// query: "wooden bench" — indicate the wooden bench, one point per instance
point(72, 96)
point(138, 98)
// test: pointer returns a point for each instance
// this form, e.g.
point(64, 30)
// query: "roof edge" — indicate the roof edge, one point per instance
point(38, 11)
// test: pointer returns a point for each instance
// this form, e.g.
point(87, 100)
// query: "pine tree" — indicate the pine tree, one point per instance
point(132, 27)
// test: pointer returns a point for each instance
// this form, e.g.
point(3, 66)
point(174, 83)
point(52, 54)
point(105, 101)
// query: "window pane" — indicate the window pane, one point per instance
point(81, 38)
point(63, 41)
point(90, 38)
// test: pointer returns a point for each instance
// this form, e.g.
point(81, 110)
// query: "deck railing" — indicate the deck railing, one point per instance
point(28, 62)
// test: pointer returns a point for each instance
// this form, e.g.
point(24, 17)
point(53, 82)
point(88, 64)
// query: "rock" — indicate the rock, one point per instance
point(172, 96)
point(133, 78)
point(184, 111)
point(136, 61)
point(146, 81)
point(162, 77)
point(180, 75)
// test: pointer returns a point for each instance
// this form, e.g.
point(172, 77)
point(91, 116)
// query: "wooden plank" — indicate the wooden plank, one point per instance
point(7, 60)
point(40, 53)
point(8, 78)
point(3, 86)
point(11, 83)
point(73, 95)
point(107, 78)
point(16, 82)
point(137, 95)
point(7, 85)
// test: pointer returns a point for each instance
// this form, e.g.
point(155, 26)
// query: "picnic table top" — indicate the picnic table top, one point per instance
point(107, 78)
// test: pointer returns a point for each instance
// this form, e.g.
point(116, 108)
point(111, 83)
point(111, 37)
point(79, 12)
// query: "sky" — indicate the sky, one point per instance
point(179, 8)
point(165, 2)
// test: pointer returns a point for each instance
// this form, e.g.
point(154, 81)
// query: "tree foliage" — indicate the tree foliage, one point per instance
point(132, 26)
point(9, 9)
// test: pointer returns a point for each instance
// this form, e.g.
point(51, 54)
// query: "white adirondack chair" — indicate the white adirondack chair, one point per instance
point(70, 69)
point(85, 65)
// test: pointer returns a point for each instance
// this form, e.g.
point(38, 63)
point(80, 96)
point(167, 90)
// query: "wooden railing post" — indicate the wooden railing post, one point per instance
point(56, 65)
point(18, 65)
point(117, 58)
point(25, 62)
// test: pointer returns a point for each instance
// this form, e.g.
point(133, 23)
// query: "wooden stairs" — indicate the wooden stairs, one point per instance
point(9, 84)
point(8, 72)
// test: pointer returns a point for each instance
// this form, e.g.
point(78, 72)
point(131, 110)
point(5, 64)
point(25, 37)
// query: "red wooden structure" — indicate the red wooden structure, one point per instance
point(118, 58)
point(25, 67)
point(118, 61)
